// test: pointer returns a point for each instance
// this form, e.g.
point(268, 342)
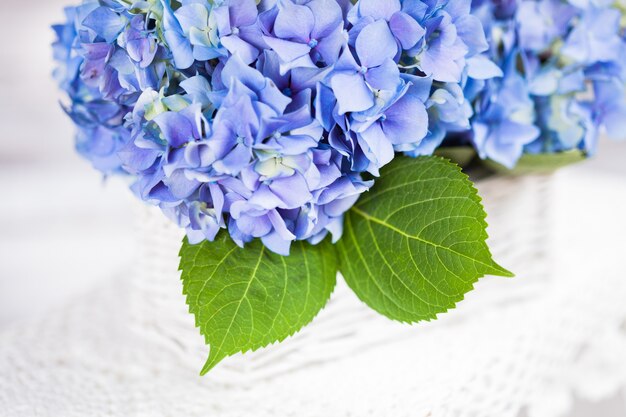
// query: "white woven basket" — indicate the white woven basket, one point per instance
point(346, 326)
point(514, 347)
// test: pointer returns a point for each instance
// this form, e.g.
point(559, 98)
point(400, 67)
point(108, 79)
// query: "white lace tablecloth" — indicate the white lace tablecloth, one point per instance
point(514, 347)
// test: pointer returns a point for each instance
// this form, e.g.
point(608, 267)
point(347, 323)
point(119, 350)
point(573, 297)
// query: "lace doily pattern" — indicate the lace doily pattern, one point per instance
point(521, 345)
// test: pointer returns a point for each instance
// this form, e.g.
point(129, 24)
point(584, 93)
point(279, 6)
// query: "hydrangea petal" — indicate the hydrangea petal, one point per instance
point(328, 17)
point(379, 9)
point(106, 23)
point(406, 29)
point(406, 121)
point(293, 22)
point(351, 92)
point(375, 44)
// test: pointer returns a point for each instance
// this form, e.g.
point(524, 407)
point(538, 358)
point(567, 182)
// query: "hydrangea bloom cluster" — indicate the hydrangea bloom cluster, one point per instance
point(262, 118)
point(564, 77)
point(106, 59)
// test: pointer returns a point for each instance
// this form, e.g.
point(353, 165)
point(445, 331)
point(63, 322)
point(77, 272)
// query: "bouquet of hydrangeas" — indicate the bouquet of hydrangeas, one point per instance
point(563, 78)
point(262, 127)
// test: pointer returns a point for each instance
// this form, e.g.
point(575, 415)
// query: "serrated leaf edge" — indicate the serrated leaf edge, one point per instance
point(206, 368)
point(483, 221)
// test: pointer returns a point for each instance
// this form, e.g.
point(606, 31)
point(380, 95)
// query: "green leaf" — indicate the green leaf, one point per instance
point(542, 163)
point(415, 244)
point(245, 299)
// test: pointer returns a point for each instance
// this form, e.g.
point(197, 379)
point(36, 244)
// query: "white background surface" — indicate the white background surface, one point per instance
point(63, 230)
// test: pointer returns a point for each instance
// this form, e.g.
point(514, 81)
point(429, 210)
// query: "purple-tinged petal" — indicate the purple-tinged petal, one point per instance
point(482, 68)
point(199, 154)
point(202, 219)
point(375, 44)
point(470, 30)
point(269, 65)
point(276, 243)
point(255, 226)
point(265, 198)
point(293, 22)
point(162, 193)
point(106, 23)
point(180, 186)
point(328, 17)
point(242, 12)
point(357, 27)
point(406, 30)
point(376, 145)
point(292, 191)
point(137, 159)
point(176, 128)
point(340, 206)
point(406, 121)
point(175, 38)
point(236, 70)
point(286, 50)
point(440, 61)
point(198, 88)
point(237, 46)
point(279, 225)
point(307, 78)
point(221, 16)
point(346, 62)
point(142, 51)
point(384, 77)
point(273, 98)
point(330, 47)
point(379, 9)
point(236, 160)
point(352, 94)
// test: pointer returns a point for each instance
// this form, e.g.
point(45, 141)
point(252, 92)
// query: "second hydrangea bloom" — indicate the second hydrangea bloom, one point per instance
point(564, 67)
point(262, 119)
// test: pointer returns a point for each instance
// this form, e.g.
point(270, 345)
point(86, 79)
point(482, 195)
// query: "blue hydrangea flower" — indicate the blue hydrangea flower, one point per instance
point(190, 34)
point(304, 33)
point(505, 120)
point(238, 29)
point(448, 111)
point(596, 37)
point(566, 62)
point(395, 46)
point(541, 23)
point(452, 35)
point(609, 107)
point(261, 118)
point(106, 58)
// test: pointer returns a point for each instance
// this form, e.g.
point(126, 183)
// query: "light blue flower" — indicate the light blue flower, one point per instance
point(404, 27)
point(541, 23)
point(595, 37)
point(355, 78)
point(260, 117)
point(610, 107)
point(452, 35)
point(178, 44)
point(567, 60)
point(306, 33)
point(239, 32)
point(448, 112)
point(106, 23)
point(196, 27)
point(397, 124)
point(505, 119)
